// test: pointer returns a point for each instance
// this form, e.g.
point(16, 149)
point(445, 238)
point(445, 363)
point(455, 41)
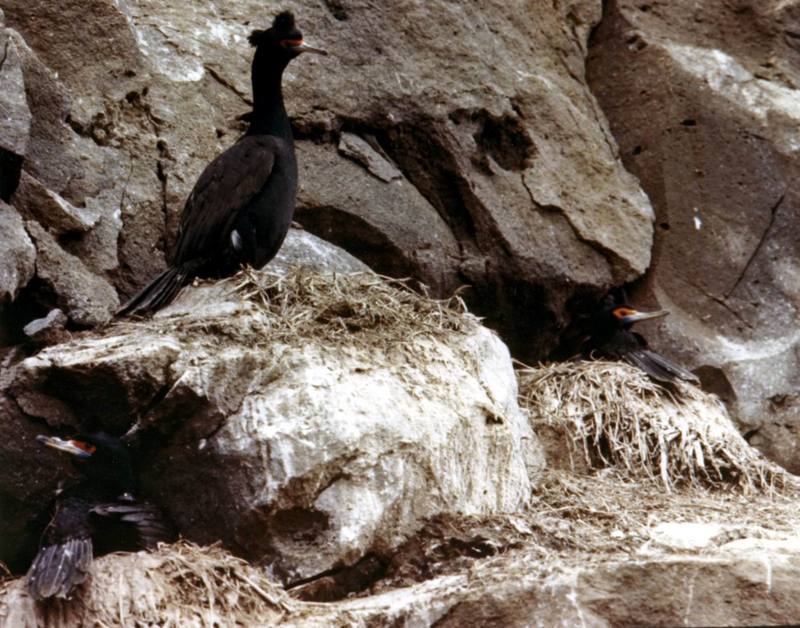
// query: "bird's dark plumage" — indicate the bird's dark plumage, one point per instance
point(606, 334)
point(242, 205)
point(95, 516)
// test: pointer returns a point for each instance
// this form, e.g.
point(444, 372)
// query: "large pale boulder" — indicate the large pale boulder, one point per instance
point(305, 420)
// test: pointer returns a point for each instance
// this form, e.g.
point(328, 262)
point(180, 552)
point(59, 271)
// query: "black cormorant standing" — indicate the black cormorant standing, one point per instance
point(242, 205)
point(606, 334)
point(96, 516)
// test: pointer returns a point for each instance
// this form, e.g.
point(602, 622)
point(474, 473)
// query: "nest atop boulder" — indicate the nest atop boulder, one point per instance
point(355, 309)
point(335, 306)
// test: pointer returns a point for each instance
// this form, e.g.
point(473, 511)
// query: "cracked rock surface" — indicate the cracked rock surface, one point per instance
point(703, 100)
point(487, 162)
point(537, 153)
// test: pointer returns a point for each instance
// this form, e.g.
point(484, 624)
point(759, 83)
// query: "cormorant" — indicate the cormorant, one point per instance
point(606, 334)
point(242, 205)
point(96, 516)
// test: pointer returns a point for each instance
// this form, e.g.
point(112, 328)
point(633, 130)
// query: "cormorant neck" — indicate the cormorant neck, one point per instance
point(269, 112)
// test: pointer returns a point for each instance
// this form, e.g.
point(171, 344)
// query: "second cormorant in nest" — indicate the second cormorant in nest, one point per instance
point(242, 205)
point(97, 515)
point(606, 335)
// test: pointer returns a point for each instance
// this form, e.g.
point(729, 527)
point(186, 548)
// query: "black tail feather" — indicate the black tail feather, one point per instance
point(158, 293)
point(659, 368)
point(58, 569)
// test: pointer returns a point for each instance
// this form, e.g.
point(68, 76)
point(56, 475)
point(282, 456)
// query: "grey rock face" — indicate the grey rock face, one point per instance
point(465, 162)
point(85, 297)
point(54, 213)
point(706, 117)
point(53, 322)
point(302, 248)
point(15, 117)
point(17, 255)
point(511, 180)
point(364, 152)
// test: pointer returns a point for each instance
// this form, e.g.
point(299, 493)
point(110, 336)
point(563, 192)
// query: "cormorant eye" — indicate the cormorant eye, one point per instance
point(622, 312)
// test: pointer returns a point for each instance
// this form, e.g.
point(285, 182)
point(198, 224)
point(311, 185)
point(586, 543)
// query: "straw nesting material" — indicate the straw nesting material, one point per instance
point(611, 414)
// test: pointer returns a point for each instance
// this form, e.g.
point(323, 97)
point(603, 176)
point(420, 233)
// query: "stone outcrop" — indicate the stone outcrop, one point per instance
point(702, 99)
point(429, 150)
point(363, 446)
point(369, 450)
point(274, 441)
point(691, 573)
point(475, 179)
point(17, 255)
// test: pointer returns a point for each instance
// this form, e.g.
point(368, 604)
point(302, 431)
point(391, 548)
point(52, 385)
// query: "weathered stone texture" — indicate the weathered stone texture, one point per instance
point(702, 99)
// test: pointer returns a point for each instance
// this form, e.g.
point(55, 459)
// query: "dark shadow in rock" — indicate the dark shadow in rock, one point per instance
point(520, 312)
point(503, 138)
point(714, 380)
point(357, 237)
point(10, 169)
point(34, 301)
point(432, 169)
point(337, 584)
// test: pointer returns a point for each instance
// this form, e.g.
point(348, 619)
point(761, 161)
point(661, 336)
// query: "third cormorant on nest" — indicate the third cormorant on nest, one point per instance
point(606, 335)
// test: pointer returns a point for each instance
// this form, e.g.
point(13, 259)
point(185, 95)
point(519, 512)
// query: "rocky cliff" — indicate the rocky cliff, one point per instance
point(462, 146)
point(529, 156)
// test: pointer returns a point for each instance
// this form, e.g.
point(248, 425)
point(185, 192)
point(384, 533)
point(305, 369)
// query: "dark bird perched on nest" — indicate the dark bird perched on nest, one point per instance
point(97, 515)
point(606, 335)
point(242, 205)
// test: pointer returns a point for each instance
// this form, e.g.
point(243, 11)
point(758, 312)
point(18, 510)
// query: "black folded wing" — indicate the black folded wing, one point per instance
point(141, 523)
point(226, 186)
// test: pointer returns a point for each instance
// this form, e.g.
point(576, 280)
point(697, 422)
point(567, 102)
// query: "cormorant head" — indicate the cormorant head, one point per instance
point(99, 456)
point(282, 42)
point(625, 316)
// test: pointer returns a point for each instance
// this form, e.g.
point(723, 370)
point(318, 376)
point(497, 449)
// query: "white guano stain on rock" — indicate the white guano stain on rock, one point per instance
point(396, 464)
point(686, 535)
point(165, 59)
point(728, 77)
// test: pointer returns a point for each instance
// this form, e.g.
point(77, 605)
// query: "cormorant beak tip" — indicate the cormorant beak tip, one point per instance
point(303, 47)
point(644, 316)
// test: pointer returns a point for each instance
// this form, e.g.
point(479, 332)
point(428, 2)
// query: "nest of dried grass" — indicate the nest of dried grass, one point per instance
point(177, 585)
point(358, 309)
point(612, 415)
point(336, 307)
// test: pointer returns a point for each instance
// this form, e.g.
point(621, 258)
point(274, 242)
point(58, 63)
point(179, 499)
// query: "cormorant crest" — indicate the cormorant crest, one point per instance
point(283, 22)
